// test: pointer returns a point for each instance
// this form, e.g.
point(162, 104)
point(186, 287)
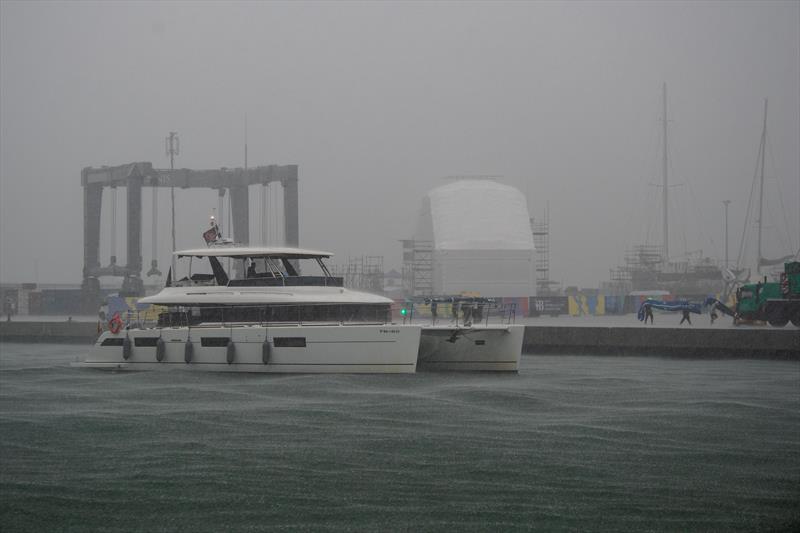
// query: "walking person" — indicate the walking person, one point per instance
point(686, 317)
point(648, 313)
point(466, 309)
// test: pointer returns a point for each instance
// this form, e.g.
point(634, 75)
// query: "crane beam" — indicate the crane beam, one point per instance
point(135, 176)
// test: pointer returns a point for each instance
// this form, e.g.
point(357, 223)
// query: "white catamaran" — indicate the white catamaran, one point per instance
point(265, 314)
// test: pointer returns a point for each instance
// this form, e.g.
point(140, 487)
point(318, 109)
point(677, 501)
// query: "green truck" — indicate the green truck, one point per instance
point(776, 302)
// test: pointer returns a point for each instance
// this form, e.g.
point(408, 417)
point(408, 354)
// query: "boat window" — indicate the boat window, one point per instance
point(257, 267)
point(290, 268)
point(214, 342)
point(289, 342)
point(365, 313)
point(113, 341)
point(323, 267)
point(313, 313)
point(263, 267)
point(219, 272)
point(150, 342)
point(334, 313)
point(193, 271)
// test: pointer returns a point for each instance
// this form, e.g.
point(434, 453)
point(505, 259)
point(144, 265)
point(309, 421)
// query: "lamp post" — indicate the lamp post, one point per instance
point(726, 202)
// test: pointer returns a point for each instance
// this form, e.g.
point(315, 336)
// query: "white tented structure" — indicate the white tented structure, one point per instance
point(479, 239)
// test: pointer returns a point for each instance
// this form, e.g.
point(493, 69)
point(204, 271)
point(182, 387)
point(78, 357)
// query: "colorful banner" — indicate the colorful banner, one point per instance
point(587, 305)
point(129, 308)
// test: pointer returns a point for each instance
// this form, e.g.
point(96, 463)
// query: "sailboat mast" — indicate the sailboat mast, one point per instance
point(665, 185)
point(761, 187)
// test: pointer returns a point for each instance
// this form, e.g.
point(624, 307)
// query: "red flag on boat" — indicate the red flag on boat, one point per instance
point(211, 234)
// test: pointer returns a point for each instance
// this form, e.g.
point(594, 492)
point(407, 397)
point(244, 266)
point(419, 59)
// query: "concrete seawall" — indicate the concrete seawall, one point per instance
point(766, 343)
point(62, 331)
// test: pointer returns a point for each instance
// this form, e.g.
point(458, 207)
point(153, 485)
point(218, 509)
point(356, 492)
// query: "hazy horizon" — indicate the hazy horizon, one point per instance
point(378, 102)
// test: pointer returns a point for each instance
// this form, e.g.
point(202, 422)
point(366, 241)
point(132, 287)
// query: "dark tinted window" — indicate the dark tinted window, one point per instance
point(289, 342)
point(214, 342)
point(113, 341)
point(375, 313)
point(145, 342)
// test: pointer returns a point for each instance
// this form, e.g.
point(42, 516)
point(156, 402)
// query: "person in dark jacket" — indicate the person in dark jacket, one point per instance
point(648, 313)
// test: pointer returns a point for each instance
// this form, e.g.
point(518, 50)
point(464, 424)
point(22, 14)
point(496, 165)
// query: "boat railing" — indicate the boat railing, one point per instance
point(261, 315)
point(458, 312)
point(262, 280)
point(288, 281)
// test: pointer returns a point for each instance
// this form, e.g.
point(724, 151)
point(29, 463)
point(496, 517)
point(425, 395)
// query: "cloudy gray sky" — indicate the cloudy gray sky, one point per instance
point(378, 101)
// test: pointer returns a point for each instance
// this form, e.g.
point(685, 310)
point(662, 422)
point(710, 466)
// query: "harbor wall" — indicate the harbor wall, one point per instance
point(767, 343)
point(54, 332)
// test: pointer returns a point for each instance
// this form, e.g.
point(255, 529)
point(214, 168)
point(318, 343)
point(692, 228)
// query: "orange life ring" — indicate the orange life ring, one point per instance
point(115, 324)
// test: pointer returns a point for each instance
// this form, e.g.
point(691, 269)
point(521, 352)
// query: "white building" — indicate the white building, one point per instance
point(481, 239)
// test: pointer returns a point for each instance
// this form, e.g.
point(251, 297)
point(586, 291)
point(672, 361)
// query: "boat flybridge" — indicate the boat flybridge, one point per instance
point(259, 309)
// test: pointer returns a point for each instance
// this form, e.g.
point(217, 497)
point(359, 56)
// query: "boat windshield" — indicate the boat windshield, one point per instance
point(255, 270)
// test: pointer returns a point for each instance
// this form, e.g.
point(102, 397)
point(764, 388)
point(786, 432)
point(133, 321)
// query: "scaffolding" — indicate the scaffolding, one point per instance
point(363, 273)
point(642, 264)
point(417, 267)
point(540, 229)
point(644, 269)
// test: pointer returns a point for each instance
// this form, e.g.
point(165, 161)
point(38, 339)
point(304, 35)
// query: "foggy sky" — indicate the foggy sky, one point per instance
point(377, 102)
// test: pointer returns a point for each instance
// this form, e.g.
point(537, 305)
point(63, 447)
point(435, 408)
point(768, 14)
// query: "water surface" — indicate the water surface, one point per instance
point(570, 443)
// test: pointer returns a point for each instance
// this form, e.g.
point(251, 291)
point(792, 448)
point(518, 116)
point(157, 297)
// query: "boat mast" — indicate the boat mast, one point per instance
point(173, 149)
point(762, 149)
point(665, 185)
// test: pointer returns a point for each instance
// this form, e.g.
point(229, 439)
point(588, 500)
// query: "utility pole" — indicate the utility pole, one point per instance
point(173, 148)
point(726, 202)
point(666, 183)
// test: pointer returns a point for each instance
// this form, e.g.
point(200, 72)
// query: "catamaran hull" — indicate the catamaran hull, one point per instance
point(271, 349)
point(481, 348)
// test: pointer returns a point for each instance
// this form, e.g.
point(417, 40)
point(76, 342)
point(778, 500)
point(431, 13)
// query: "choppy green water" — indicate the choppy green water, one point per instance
point(571, 443)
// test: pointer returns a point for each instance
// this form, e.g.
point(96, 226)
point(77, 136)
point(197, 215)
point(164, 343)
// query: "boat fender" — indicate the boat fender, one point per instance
point(266, 351)
point(188, 351)
point(161, 349)
point(127, 348)
point(231, 351)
